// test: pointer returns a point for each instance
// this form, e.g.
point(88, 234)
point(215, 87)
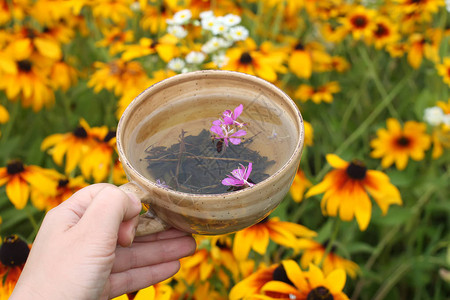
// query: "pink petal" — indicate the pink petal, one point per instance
point(217, 122)
point(235, 141)
point(217, 130)
point(249, 170)
point(232, 181)
point(228, 120)
point(238, 111)
point(239, 133)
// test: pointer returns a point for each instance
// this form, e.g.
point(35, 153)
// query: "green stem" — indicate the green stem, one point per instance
point(33, 222)
point(331, 241)
point(367, 122)
point(392, 280)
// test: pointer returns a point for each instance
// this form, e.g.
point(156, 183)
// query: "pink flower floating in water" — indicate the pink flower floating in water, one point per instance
point(228, 129)
point(239, 177)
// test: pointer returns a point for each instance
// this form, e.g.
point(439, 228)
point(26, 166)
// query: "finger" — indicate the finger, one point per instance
point(127, 231)
point(109, 207)
point(152, 253)
point(168, 234)
point(136, 279)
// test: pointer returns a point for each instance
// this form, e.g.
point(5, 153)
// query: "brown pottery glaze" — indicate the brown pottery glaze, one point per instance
point(209, 214)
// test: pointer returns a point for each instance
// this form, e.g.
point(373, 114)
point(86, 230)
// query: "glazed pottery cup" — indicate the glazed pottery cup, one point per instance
point(208, 214)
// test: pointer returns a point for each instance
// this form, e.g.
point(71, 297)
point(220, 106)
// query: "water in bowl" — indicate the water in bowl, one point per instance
point(185, 155)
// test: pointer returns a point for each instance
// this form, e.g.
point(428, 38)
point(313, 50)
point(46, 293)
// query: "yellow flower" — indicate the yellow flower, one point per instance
point(115, 39)
point(300, 61)
point(385, 33)
point(441, 140)
point(159, 291)
point(20, 179)
point(118, 10)
point(252, 284)
point(117, 76)
point(154, 17)
point(444, 70)
point(66, 187)
point(317, 95)
point(97, 162)
point(50, 12)
point(313, 252)
point(299, 186)
point(424, 9)
point(397, 144)
point(15, 9)
point(309, 133)
point(257, 237)
point(165, 47)
point(359, 21)
point(13, 254)
point(74, 145)
point(247, 58)
point(26, 81)
point(62, 75)
point(118, 174)
point(4, 115)
point(347, 190)
point(312, 284)
point(424, 45)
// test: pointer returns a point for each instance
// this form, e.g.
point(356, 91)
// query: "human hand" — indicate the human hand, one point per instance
point(85, 249)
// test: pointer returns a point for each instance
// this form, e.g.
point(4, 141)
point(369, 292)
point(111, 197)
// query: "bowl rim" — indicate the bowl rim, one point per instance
point(136, 177)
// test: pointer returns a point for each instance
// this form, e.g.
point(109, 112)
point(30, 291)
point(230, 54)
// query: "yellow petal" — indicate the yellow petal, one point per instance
point(315, 276)
point(242, 244)
point(295, 274)
point(18, 192)
point(363, 211)
point(48, 48)
point(336, 162)
point(336, 281)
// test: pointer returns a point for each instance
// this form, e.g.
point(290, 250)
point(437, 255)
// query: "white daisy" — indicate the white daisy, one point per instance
point(208, 23)
point(195, 57)
point(206, 14)
point(231, 20)
point(182, 17)
point(434, 115)
point(238, 33)
point(176, 64)
point(220, 59)
point(177, 31)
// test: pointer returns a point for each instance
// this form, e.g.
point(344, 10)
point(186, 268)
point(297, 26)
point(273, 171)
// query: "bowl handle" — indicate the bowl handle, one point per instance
point(148, 222)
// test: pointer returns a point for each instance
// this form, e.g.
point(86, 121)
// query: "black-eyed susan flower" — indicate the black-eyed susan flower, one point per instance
point(300, 60)
point(20, 179)
point(154, 17)
point(117, 11)
point(97, 163)
point(118, 173)
point(299, 186)
point(66, 187)
point(117, 76)
point(165, 47)
point(25, 81)
point(257, 237)
point(385, 33)
point(439, 118)
point(396, 144)
point(424, 8)
point(313, 253)
point(73, 145)
point(115, 39)
point(252, 284)
point(309, 285)
point(347, 189)
point(444, 70)
point(317, 95)
point(13, 255)
point(424, 45)
point(13, 10)
point(359, 22)
point(247, 58)
point(62, 75)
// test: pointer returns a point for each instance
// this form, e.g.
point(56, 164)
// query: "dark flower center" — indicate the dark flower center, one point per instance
point(31, 34)
point(356, 170)
point(80, 132)
point(222, 245)
point(154, 44)
point(15, 167)
point(403, 141)
point(325, 245)
point(359, 21)
point(111, 134)
point(319, 293)
point(24, 65)
point(63, 183)
point(381, 31)
point(14, 251)
point(246, 58)
point(299, 46)
point(280, 274)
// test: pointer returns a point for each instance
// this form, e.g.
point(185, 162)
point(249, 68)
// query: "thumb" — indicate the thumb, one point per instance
point(108, 208)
